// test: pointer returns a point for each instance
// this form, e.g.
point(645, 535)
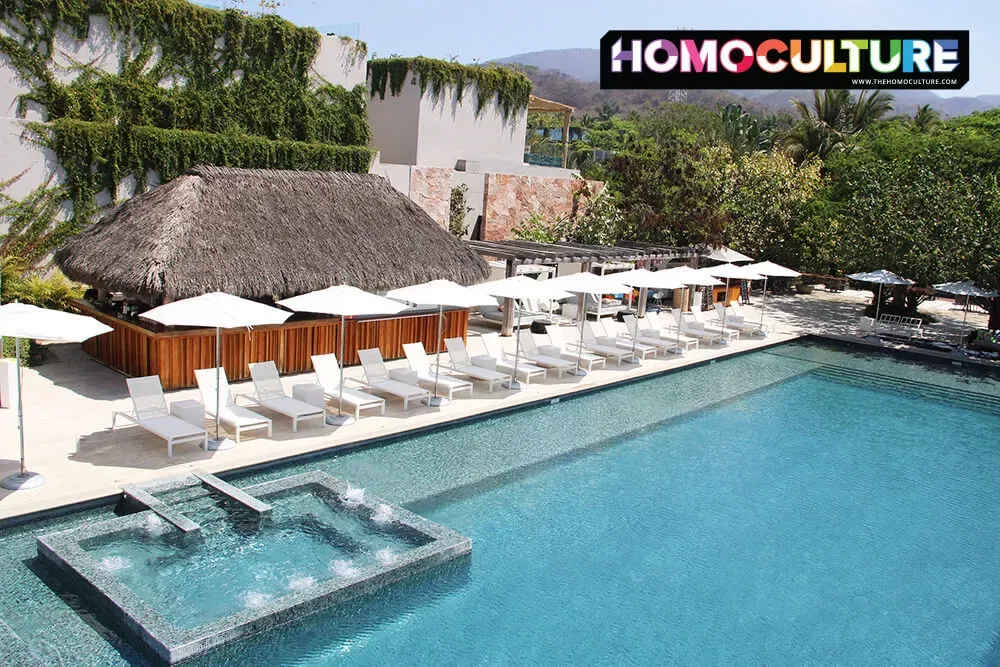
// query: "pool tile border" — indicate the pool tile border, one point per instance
point(143, 625)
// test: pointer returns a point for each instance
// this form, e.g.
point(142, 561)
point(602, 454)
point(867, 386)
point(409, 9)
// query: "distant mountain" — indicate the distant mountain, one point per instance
point(583, 65)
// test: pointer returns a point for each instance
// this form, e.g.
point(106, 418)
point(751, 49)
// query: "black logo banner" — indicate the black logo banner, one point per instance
point(763, 59)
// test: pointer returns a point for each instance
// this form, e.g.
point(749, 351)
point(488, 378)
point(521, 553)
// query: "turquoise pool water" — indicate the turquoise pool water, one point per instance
point(802, 505)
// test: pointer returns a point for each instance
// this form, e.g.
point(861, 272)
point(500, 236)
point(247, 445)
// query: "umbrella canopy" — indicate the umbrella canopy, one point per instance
point(521, 287)
point(725, 254)
point(222, 311)
point(732, 272)
point(342, 300)
point(881, 277)
point(649, 279)
point(690, 276)
point(20, 320)
point(589, 283)
point(772, 270)
point(216, 309)
point(441, 293)
point(966, 288)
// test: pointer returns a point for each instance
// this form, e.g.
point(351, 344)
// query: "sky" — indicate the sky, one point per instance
point(480, 31)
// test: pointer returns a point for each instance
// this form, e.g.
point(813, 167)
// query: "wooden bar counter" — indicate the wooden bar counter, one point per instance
point(174, 353)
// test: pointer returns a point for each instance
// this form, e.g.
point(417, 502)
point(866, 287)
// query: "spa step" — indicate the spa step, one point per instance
point(238, 495)
point(180, 521)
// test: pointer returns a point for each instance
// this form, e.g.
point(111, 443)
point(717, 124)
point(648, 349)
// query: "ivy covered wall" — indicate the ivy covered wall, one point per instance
point(192, 86)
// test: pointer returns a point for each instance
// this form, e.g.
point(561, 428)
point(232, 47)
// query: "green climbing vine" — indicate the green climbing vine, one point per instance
point(194, 86)
point(511, 88)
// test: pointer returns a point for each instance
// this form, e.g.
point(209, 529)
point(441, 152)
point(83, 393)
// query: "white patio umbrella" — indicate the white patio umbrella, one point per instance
point(20, 320)
point(520, 287)
point(730, 271)
point(770, 269)
point(728, 255)
point(587, 283)
point(880, 277)
point(645, 280)
point(968, 289)
point(440, 293)
point(222, 311)
point(345, 301)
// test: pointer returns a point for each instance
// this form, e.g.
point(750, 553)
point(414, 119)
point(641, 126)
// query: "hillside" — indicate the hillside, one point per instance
point(572, 76)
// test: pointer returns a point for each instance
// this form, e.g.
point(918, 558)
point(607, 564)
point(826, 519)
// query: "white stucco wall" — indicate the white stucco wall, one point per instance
point(412, 129)
point(394, 123)
point(450, 130)
point(339, 62)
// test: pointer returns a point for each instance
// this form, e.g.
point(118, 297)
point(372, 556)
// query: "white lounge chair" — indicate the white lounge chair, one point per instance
point(504, 362)
point(646, 337)
point(233, 416)
point(701, 320)
point(428, 376)
point(655, 325)
point(559, 346)
point(535, 355)
point(737, 322)
point(150, 412)
point(462, 363)
point(609, 346)
point(378, 378)
point(328, 376)
point(268, 393)
point(622, 335)
point(692, 328)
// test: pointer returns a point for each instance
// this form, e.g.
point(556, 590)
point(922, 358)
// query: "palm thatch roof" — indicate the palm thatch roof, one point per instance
point(261, 233)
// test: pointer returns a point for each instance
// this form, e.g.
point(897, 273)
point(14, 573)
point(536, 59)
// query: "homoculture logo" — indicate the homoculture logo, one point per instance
point(784, 59)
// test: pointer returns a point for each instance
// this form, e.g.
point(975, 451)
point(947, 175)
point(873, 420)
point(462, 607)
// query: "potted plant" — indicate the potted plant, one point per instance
point(803, 287)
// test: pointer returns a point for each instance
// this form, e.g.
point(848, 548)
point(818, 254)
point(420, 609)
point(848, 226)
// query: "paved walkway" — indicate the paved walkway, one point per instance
point(69, 401)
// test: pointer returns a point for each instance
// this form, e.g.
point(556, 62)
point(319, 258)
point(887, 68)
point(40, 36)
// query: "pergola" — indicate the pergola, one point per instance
point(515, 253)
point(539, 105)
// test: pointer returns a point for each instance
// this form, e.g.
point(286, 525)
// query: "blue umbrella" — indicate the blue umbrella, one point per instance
point(879, 277)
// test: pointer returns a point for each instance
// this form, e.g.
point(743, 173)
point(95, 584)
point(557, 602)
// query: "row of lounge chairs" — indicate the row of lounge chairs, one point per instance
point(603, 341)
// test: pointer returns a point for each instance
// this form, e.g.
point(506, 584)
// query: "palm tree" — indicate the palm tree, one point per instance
point(926, 119)
point(834, 117)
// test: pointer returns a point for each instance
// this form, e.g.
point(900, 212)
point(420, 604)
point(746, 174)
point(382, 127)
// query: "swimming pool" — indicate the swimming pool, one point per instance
point(808, 503)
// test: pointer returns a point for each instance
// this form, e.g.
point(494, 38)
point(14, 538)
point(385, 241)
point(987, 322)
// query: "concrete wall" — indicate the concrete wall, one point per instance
point(394, 123)
point(340, 63)
point(410, 128)
point(450, 130)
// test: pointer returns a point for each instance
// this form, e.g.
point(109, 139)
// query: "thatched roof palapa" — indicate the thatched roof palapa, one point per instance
point(262, 232)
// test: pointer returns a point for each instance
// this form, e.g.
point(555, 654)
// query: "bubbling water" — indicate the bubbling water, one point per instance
point(354, 496)
point(343, 569)
point(254, 599)
point(115, 563)
point(385, 556)
point(300, 583)
point(382, 514)
point(155, 526)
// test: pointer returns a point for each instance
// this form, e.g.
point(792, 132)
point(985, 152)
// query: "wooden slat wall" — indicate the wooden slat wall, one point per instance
point(175, 355)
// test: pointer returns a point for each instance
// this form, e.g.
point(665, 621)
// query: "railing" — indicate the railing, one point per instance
point(543, 160)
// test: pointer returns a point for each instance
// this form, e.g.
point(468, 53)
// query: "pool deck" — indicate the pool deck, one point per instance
point(69, 401)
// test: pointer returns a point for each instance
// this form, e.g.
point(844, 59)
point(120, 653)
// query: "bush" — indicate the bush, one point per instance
point(52, 291)
point(31, 352)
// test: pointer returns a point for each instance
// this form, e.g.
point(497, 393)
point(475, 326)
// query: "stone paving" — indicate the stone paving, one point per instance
point(69, 401)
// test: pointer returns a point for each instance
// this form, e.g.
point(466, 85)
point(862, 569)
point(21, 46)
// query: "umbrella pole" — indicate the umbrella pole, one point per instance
point(217, 443)
point(23, 479)
point(436, 400)
point(763, 302)
point(579, 351)
point(725, 302)
point(964, 318)
point(878, 304)
point(341, 419)
point(514, 384)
